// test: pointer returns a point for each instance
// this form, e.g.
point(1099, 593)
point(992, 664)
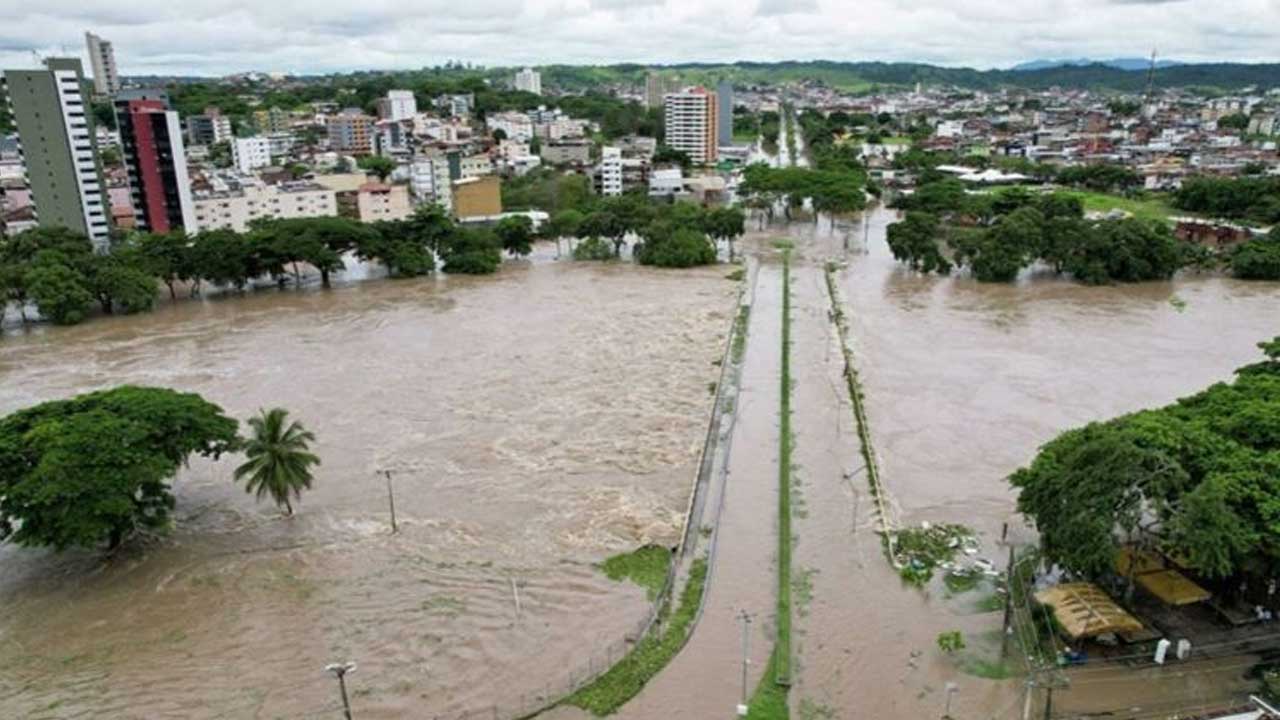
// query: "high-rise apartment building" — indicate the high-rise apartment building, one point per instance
point(656, 87)
point(59, 149)
point(610, 172)
point(397, 105)
point(102, 59)
point(351, 131)
point(210, 128)
point(724, 100)
point(251, 153)
point(529, 80)
point(691, 123)
point(156, 161)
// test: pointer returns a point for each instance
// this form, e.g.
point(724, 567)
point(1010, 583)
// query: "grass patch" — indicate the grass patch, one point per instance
point(736, 275)
point(623, 681)
point(962, 581)
point(1151, 207)
point(991, 603)
point(782, 647)
point(783, 244)
point(740, 333)
point(769, 701)
point(646, 567)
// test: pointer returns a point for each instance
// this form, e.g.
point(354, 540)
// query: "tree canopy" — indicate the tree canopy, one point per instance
point(1196, 480)
point(95, 468)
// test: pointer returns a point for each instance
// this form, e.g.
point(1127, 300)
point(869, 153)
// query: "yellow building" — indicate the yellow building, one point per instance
point(477, 197)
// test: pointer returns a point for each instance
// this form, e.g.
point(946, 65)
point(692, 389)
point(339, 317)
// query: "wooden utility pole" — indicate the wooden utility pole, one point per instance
point(391, 500)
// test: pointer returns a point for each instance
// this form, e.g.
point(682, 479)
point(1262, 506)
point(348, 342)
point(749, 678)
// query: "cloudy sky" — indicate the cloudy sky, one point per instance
point(210, 37)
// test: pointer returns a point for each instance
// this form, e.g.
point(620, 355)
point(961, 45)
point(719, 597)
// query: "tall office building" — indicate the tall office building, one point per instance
point(102, 58)
point(529, 80)
point(691, 123)
point(151, 143)
point(59, 149)
point(724, 100)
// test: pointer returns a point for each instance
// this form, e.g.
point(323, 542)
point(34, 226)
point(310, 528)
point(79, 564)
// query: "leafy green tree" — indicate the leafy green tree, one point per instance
point(1194, 479)
point(168, 256)
point(593, 248)
point(279, 458)
point(604, 224)
point(59, 290)
point(120, 282)
point(222, 257)
point(915, 242)
point(516, 234)
point(96, 468)
point(1259, 258)
point(472, 251)
point(726, 223)
point(686, 247)
point(379, 165)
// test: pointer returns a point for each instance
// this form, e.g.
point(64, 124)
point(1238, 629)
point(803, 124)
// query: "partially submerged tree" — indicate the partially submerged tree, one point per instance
point(1196, 479)
point(94, 469)
point(279, 458)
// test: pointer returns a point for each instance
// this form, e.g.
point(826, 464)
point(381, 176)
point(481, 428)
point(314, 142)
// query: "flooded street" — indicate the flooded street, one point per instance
point(535, 422)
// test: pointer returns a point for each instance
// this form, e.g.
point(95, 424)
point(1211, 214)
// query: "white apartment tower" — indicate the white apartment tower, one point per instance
point(102, 59)
point(529, 80)
point(251, 153)
point(400, 105)
point(691, 119)
point(610, 171)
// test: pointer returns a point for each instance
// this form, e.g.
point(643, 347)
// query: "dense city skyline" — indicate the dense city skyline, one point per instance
point(228, 36)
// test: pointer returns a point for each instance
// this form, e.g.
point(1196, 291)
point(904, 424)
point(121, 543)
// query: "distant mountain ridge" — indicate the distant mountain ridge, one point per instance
point(1129, 64)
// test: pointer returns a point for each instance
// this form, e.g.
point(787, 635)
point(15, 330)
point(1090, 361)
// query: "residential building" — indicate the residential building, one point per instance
point(342, 182)
point(724, 113)
point(102, 60)
point(210, 128)
point(429, 181)
point(351, 131)
point(393, 137)
point(154, 157)
point(691, 121)
point(58, 147)
point(397, 105)
point(474, 166)
point(251, 153)
point(477, 197)
point(656, 87)
point(639, 145)
point(271, 121)
point(566, 152)
point(280, 144)
point(456, 105)
point(529, 80)
point(666, 182)
point(235, 207)
point(514, 125)
point(609, 174)
point(379, 201)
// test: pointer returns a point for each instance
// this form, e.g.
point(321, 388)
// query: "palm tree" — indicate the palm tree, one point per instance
point(280, 460)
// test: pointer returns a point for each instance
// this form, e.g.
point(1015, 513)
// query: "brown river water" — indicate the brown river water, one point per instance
point(535, 422)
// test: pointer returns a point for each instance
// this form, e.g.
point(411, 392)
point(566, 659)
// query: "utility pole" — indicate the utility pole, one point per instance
point(1008, 606)
point(391, 500)
point(1048, 701)
point(951, 690)
point(745, 619)
point(341, 670)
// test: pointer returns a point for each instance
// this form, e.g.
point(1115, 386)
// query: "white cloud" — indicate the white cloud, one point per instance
point(219, 36)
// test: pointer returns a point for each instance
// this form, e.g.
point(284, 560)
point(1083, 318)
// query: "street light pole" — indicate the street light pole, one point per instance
point(745, 619)
point(951, 690)
point(341, 670)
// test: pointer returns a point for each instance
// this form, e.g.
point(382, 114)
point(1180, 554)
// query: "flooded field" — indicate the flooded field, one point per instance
point(535, 422)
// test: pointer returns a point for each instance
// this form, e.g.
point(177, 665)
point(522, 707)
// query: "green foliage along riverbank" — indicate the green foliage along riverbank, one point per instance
point(627, 678)
point(59, 271)
point(1196, 479)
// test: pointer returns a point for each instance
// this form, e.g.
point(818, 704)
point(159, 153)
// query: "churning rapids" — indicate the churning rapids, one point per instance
point(535, 422)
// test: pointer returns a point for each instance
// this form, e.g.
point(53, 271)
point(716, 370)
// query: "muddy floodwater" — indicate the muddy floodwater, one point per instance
point(535, 423)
